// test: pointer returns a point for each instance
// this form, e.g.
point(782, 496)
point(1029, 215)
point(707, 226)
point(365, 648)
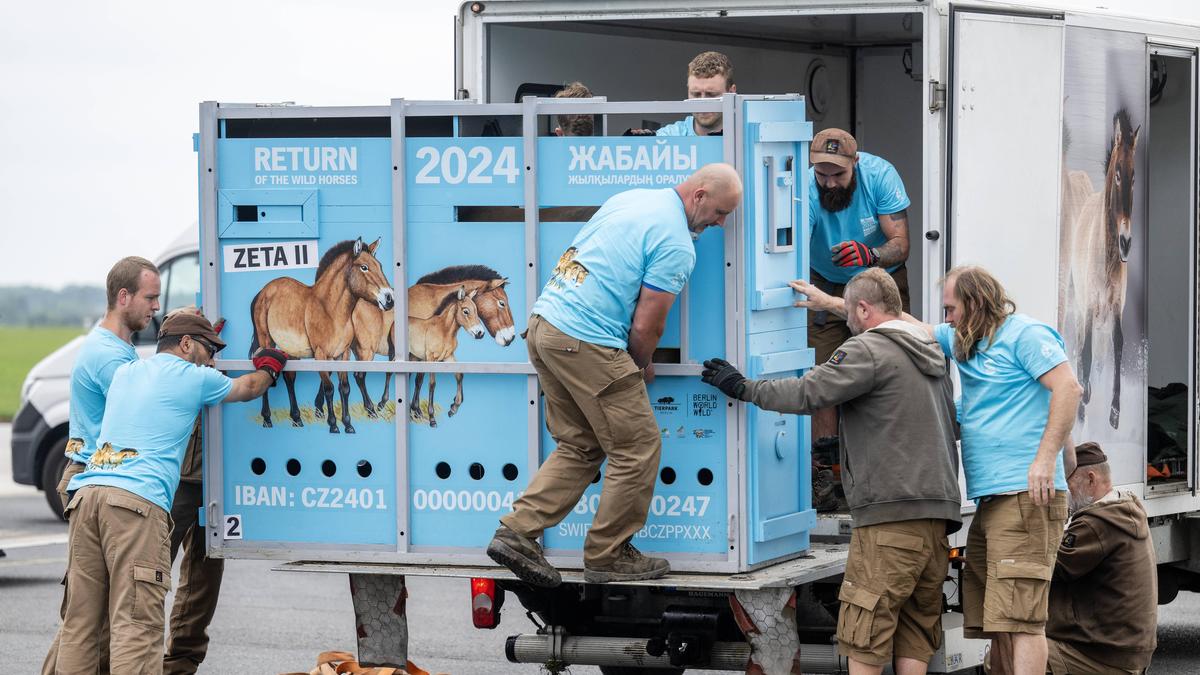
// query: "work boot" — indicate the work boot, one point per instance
point(524, 557)
point(630, 565)
point(824, 489)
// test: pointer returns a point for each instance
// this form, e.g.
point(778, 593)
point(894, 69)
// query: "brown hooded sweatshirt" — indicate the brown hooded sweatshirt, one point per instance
point(892, 387)
point(1104, 596)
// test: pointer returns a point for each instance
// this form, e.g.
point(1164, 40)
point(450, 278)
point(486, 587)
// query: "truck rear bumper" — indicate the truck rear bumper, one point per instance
point(28, 430)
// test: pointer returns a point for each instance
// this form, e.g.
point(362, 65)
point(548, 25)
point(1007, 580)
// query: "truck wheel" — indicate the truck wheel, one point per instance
point(52, 471)
point(628, 670)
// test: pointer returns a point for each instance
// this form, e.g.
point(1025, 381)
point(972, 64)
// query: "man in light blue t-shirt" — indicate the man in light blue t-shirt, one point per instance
point(133, 289)
point(118, 555)
point(591, 335)
point(710, 75)
point(1019, 398)
point(858, 218)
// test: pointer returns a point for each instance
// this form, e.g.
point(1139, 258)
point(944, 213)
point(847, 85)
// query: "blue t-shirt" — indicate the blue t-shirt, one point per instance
point(684, 127)
point(638, 237)
point(152, 407)
point(1004, 408)
point(102, 353)
point(879, 192)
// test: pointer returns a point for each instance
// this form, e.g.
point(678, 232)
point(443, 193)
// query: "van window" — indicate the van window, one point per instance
point(182, 283)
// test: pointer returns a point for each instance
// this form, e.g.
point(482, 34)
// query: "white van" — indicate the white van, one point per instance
point(39, 431)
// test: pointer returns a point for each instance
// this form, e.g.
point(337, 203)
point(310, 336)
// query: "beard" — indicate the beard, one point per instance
point(836, 199)
point(1080, 501)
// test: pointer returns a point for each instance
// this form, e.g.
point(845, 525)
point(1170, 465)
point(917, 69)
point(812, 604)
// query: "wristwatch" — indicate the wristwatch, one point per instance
point(874, 257)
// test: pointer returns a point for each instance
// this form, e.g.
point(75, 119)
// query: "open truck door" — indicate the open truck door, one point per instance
point(1005, 154)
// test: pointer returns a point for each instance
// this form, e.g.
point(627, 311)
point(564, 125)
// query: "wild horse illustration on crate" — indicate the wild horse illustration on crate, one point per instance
point(374, 329)
point(435, 339)
point(315, 321)
point(1095, 240)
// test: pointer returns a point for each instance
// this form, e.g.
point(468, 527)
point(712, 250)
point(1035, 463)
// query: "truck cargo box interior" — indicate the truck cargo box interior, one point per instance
point(1171, 275)
point(859, 72)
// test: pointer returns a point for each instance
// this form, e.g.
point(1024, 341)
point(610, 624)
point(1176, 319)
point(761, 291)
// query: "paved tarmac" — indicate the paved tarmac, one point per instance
point(272, 622)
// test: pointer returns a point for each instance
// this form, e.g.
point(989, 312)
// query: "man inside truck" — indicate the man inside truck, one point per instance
point(132, 289)
point(1104, 595)
point(1019, 398)
point(891, 382)
point(859, 220)
point(591, 336)
point(574, 125)
point(118, 550)
point(710, 75)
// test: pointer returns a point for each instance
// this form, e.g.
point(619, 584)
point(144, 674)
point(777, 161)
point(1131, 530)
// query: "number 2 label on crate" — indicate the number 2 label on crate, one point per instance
point(233, 526)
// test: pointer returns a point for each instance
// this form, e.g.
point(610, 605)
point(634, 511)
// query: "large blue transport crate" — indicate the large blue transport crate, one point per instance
point(390, 249)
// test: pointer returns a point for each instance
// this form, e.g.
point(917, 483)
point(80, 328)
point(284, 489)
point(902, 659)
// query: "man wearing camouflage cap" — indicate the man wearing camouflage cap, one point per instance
point(118, 551)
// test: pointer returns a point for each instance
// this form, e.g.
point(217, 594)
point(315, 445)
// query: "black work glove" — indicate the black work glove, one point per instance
point(722, 375)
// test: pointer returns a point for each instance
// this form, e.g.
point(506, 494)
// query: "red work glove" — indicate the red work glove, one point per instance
point(854, 254)
point(270, 361)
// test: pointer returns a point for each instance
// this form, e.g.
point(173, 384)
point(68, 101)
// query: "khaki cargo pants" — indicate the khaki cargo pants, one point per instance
point(891, 594)
point(1011, 548)
point(119, 568)
point(596, 408)
point(73, 469)
point(199, 584)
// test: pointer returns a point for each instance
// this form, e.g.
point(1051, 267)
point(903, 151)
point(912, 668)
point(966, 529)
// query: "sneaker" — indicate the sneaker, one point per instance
point(523, 557)
point(630, 565)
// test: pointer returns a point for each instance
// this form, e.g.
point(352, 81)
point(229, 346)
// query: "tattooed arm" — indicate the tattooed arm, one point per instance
point(895, 250)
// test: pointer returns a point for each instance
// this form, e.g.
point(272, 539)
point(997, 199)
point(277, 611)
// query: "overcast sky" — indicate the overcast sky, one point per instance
point(98, 103)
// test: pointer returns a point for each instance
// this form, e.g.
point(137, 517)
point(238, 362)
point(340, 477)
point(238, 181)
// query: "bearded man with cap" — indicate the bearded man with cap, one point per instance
point(1104, 593)
point(858, 215)
point(118, 550)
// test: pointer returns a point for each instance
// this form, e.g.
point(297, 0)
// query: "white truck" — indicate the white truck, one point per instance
point(39, 432)
point(1014, 126)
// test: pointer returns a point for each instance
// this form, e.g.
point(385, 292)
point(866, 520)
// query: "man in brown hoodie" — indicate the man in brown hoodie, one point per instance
point(1104, 595)
point(900, 471)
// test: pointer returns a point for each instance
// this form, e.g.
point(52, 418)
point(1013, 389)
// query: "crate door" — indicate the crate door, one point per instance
point(776, 230)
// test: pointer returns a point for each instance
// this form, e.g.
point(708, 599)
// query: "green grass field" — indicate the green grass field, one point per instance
point(20, 349)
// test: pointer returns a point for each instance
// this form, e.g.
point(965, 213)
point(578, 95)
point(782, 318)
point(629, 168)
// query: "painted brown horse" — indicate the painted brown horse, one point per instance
point(374, 329)
point(436, 338)
point(314, 321)
point(1096, 237)
point(491, 298)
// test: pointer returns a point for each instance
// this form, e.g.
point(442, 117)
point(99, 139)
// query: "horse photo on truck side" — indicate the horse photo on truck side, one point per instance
point(1104, 250)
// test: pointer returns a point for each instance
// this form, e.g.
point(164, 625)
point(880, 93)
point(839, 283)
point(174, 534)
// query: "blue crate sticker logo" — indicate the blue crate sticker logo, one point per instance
point(306, 165)
point(665, 405)
point(267, 256)
point(703, 405)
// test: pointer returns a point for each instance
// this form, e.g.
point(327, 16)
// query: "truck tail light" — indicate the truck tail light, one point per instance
point(486, 601)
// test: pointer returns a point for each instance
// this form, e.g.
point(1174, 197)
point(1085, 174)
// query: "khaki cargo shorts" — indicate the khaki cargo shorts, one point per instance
point(892, 592)
point(826, 337)
point(1011, 548)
